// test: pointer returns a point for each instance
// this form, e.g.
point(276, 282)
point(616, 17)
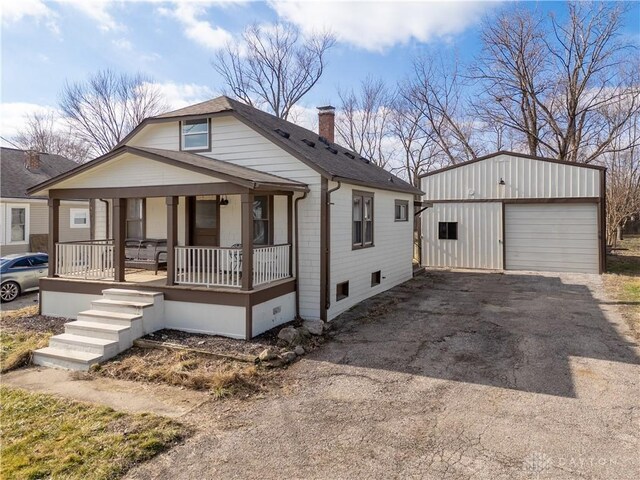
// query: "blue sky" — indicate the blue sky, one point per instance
point(46, 42)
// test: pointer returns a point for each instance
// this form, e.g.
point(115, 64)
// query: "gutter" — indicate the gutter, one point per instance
point(297, 249)
point(327, 252)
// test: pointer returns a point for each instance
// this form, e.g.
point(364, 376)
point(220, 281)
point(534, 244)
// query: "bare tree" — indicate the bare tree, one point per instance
point(437, 89)
point(273, 67)
point(511, 73)
point(623, 172)
point(410, 127)
point(363, 120)
point(40, 134)
point(107, 106)
point(550, 82)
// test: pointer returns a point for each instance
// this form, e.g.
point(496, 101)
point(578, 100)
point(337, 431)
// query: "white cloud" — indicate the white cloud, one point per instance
point(13, 116)
point(189, 15)
point(178, 95)
point(97, 10)
point(15, 11)
point(122, 44)
point(376, 26)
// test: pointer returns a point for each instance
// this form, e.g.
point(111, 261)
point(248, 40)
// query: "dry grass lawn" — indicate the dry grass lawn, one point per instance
point(223, 378)
point(17, 341)
point(622, 281)
point(47, 437)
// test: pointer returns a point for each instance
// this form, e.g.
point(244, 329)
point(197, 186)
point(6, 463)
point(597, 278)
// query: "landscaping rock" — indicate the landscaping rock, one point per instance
point(303, 332)
point(315, 327)
point(289, 357)
point(290, 335)
point(299, 350)
point(267, 354)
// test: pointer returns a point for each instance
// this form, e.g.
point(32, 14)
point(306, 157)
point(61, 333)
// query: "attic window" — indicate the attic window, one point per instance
point(309, 142)
point(195, 134)
point(350, 155)
point(282, 133)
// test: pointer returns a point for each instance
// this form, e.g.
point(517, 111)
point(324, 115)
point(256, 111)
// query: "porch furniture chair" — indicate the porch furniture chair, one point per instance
point(148, 253)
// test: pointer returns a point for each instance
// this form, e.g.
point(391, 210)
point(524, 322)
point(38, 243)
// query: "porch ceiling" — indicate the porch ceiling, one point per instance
point(229, 178)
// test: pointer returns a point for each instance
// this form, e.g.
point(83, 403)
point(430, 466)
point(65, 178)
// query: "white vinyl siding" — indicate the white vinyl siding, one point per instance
point(479, 243)
point(129, 170)
point(391, 253)
point(235, 142)
point(523, 178)
point(554, 238)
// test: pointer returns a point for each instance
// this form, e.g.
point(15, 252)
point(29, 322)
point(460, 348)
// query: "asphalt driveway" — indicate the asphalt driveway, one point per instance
point(463, 375)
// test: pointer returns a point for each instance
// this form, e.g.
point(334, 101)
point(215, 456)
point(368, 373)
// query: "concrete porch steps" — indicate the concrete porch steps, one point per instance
point(105, 330)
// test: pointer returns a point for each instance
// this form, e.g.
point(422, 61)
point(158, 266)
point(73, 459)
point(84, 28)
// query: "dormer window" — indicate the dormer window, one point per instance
point(195, 134)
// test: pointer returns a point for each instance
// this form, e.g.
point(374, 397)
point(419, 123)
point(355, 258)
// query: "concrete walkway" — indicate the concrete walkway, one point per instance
point(121, 395)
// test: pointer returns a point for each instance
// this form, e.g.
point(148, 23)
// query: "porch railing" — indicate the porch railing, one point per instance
point(91, 260)
point(209, 266)
point(270, 264)
point(222, 267)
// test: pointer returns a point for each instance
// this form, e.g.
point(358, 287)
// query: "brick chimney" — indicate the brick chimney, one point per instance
point(32, 160)
point(326, 122)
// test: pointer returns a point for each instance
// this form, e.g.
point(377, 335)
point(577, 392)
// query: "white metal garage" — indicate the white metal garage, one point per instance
point(516, 212)
point(552, 237)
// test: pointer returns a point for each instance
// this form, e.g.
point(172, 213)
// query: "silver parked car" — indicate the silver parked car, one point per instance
point(21, 273)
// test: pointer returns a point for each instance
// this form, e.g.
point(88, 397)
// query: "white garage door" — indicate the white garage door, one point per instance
point(552, 237)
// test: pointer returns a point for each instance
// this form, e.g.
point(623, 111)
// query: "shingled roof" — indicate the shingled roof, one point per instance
point(329, 159)
point(16, 179)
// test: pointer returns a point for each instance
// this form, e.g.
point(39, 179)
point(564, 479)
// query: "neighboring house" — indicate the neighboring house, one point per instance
point(263, 220)
point(509, 211)
point(24, 220)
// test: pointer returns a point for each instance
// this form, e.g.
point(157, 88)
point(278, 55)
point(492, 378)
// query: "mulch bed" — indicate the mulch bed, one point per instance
point(217, 344)
point(15, 321)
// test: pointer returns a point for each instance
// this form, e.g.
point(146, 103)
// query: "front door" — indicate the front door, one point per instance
point(206, 221)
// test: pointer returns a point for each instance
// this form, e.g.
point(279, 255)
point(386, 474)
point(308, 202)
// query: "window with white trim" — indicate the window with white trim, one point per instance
point(16, 221)
point(362, 219)
point(79, 218)
point(402, 211)
point(195, 134)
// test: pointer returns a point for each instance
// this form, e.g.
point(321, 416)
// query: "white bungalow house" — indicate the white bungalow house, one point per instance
point(258, 221)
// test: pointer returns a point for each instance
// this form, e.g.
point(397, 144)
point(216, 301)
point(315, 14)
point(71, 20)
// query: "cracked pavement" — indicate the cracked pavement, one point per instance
point(453, 375)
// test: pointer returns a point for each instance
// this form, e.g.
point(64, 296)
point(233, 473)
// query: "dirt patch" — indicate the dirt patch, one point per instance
point(222, 378)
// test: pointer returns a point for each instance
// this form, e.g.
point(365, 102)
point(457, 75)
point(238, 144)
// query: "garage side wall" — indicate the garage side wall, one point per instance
point(479, 243)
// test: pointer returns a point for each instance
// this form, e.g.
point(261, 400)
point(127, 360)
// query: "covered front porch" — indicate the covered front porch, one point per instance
point(222, 238)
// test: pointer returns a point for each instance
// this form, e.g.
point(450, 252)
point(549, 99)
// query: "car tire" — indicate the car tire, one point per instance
point(9, 291)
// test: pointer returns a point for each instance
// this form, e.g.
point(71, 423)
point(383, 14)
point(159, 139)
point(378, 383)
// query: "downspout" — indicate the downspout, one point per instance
point(327, 253)
point(106, 210)
point(295, 207)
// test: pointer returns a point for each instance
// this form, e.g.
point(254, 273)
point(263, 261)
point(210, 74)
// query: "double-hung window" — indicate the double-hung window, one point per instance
point(135, 218)
point(195, 134)
point(15, 224)
point(362, 234)
point(261, 221)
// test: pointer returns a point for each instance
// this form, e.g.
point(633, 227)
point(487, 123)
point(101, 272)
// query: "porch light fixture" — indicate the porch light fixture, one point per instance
point(501, 182)
point(223, 201)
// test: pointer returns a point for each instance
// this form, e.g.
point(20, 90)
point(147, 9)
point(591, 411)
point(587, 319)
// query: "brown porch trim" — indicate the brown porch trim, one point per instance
point(209, 296)
point(119, 235)
point(223, 188)
point(54, 234)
